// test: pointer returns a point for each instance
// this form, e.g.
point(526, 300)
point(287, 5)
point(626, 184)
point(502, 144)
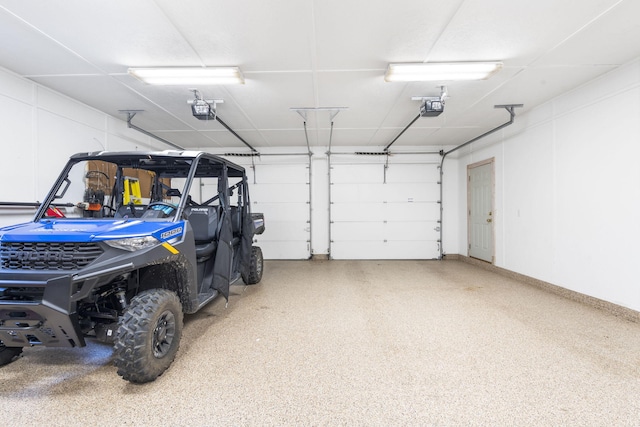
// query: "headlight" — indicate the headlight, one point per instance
point(133, 243)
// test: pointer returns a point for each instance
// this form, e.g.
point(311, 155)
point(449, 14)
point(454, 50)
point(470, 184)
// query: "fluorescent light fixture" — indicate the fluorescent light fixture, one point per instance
point(441, 71)
point(195, 76)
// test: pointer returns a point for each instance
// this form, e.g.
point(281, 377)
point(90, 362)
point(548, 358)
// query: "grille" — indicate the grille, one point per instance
point(47, 255)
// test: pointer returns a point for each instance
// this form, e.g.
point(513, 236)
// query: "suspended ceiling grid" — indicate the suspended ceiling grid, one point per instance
point(315, 53)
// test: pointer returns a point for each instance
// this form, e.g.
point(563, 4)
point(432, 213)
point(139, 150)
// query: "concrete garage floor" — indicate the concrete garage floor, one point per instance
point(357, 343)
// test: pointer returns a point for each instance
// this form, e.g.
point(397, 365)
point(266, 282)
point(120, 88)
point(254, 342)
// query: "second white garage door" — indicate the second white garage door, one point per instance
point(374, 216)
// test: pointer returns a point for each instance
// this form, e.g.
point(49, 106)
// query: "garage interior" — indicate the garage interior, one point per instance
point(441, 252)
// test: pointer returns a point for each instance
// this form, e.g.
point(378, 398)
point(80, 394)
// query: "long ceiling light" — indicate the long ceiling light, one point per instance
point(189, 75)
point(441, 71)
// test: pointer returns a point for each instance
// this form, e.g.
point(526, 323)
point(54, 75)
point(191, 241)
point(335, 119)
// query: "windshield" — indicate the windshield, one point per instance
point(102, 189)
point(142, 186)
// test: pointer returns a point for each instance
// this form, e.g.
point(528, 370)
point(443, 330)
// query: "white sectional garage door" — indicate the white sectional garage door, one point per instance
point(378, 217)
point(281, 192)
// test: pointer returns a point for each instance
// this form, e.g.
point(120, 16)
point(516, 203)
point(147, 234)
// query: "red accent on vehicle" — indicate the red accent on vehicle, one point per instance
point(54, 212)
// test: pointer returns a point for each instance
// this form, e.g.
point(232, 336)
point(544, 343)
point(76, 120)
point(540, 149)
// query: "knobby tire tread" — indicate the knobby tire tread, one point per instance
point(132, 349)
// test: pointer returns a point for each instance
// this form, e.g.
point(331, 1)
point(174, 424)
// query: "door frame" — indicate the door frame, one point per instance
point(492, 162)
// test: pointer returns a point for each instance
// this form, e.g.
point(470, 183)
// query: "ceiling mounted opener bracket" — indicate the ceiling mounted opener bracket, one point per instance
point(509, 108)
point(333, 111)
point(131, 114)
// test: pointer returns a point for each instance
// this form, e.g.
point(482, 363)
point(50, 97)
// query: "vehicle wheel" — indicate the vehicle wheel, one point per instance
point(255, 268)
point(148, 335)
point(7, 354)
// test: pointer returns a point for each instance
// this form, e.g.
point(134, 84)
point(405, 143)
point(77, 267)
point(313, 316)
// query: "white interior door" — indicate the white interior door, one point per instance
point(480, 210)
point(384, 214)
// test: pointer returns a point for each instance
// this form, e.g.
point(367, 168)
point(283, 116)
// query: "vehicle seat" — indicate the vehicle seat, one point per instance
point(124, 211)
point(204, 222)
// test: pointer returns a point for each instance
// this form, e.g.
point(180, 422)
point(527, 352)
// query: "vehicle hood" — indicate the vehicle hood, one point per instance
point(89, 230)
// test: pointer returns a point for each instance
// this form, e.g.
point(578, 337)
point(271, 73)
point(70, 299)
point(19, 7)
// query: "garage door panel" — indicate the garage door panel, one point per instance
point(280, 193)
point(354, 173)
point(404, 230)
point(281, 211)
point(349, 193)
point(384, 250)
point(413, 173)
point(380, 231)
point(427, 192)
point(359, 231)
point(281, 174)
point(355, 212)
point(412, 211)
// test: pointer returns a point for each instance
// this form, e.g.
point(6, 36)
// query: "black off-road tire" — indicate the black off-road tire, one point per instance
point(148, 335)
point(255, 268)
point(8, 354)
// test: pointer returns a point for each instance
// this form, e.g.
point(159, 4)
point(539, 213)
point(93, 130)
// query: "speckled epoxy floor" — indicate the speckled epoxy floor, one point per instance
point(357, 343)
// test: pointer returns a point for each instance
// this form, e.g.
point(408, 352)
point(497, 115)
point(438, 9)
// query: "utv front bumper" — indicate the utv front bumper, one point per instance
point(48, 322)
point(51, 320)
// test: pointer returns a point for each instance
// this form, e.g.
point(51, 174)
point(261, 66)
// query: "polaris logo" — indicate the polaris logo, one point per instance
point(45, 256)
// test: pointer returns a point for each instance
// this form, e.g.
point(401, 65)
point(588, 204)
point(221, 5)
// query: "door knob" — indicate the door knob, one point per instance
point(489, 220)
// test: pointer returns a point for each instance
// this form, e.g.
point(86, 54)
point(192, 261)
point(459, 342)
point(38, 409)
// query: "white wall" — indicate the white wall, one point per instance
point(40, 130)
point(568, 189)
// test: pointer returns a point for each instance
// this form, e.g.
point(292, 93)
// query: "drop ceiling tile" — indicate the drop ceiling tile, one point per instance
point(518, 32)
point(255, 35)
point(25, 51)
point(353, 36)
point(608, 40)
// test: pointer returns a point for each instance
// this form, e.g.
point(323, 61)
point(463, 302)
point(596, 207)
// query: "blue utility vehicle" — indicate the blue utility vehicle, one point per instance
point(121, 247)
